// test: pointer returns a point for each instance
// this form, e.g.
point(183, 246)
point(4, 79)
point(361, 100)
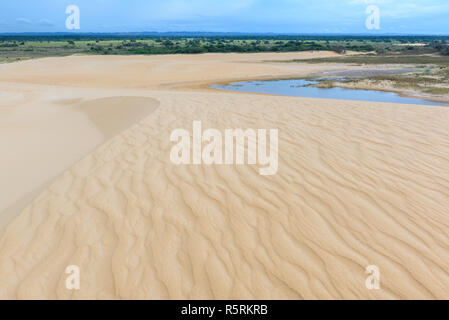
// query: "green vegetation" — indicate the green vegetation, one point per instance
point(14, 47)
point(434, 81)
point(41, 47)
point(437, 84)
point(408, 80)
point(436, 90)
point(429, 55)
point(384, 59)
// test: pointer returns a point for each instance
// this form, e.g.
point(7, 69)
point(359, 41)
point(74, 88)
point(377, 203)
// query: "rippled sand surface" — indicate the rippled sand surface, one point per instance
point(358, 184)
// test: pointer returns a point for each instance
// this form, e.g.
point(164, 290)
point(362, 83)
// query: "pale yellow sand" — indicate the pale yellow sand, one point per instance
point(42, 134)
point(358, 184)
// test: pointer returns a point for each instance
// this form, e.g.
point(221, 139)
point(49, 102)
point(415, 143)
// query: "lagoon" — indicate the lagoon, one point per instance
point(302, 88)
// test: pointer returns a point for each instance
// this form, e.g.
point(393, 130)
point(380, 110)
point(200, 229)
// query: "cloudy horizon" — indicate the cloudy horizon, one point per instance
point(244, 16)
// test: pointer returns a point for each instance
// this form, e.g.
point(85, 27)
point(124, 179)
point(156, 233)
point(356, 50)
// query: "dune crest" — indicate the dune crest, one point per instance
point(52, 135)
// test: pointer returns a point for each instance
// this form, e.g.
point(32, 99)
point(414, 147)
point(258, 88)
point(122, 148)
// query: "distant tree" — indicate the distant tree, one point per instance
point(339, 49)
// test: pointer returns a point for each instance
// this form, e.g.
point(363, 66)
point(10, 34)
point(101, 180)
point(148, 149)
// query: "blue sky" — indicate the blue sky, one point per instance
point(279, 16)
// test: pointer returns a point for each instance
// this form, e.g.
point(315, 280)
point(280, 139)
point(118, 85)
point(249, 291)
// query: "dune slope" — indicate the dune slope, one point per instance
point(358, 184)
point(44, 130)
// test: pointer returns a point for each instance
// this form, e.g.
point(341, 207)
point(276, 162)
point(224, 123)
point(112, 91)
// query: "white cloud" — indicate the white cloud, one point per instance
point(24, 21)
point(45, 23)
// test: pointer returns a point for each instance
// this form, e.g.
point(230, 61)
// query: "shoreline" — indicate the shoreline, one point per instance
point(403, 93)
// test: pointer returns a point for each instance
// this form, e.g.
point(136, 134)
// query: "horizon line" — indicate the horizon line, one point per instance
point(72, 33)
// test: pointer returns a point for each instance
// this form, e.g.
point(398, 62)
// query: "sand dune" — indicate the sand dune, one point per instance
point(358, 184)
point(43, 132)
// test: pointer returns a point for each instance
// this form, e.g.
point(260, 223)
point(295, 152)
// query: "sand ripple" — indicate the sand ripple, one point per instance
point(358, 184)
